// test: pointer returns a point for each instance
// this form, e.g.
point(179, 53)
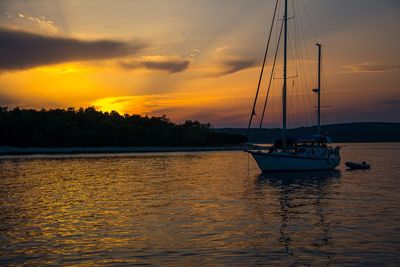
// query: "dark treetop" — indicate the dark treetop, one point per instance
point(91, 128)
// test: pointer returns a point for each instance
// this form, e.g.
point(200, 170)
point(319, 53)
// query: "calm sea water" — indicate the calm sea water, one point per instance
point(191, 209)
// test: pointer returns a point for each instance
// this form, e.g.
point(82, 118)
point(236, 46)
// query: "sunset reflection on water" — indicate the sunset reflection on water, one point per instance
point(207, 208)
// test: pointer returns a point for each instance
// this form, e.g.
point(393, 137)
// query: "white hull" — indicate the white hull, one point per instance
point(285, 162)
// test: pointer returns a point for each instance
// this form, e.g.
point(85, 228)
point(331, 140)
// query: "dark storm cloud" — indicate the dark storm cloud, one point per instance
point(171, 65)
point(234, 65)
point(24, 50)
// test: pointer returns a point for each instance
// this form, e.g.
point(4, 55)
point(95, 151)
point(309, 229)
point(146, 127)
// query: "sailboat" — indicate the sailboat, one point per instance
point(295, 153)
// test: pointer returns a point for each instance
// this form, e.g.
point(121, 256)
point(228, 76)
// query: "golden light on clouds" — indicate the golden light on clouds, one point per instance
point(198, 61)
point(123, 104)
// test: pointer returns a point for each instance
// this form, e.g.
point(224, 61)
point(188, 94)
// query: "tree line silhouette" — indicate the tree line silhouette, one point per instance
point(92, 128)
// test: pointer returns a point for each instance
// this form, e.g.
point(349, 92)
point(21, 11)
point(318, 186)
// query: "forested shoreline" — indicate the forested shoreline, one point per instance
point(88, 127)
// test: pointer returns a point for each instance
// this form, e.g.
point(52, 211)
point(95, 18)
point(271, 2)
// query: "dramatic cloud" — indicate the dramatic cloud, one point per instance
point(221, 49)
point(234, 65)
point(23, 50)
point(371, 67)
point(43, 22)
point(171, 64)
point(8, 15)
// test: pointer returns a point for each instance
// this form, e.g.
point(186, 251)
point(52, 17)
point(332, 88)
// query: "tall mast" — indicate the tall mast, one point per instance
point(319, 88)
point(285, 18)
point(253, 111)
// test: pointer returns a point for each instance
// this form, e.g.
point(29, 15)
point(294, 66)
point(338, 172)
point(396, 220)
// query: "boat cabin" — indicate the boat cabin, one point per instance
point(302, 144)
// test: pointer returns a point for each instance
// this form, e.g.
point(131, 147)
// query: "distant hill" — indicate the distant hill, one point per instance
point(340, 133)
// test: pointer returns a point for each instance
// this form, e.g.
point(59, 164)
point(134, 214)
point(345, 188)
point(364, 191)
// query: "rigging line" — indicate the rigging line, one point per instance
point(310, 113)
point(262, 70)
point(301, 60)
point(326, 97)
point(273, 106)
point(295, 96)
point(293, 66)
point(310, 24)
point(297, 64)
point(271, 76)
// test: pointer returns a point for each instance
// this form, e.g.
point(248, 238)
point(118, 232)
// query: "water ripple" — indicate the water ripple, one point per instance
point(185, 209)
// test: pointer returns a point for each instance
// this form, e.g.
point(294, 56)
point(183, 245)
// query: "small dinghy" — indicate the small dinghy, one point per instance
point(358, 166)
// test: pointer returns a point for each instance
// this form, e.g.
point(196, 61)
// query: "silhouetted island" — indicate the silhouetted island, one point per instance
point(92, 128)
point(28, 131)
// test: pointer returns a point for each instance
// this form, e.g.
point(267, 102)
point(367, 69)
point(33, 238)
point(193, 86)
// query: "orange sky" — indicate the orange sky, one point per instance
point(200, 59)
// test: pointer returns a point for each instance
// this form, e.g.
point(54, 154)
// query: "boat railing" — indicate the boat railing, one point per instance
point(253, 147)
